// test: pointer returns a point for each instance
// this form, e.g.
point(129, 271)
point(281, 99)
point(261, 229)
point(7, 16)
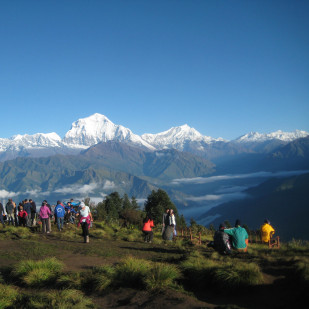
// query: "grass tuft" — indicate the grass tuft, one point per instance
point(38, 273)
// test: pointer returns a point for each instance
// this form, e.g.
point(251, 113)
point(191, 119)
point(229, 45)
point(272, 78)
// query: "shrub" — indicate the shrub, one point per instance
point(38, 273)
point(65, 299)
point(132, 273)
point(161, 276)
point(237, 274)
point(70, 280)
point(8, 295)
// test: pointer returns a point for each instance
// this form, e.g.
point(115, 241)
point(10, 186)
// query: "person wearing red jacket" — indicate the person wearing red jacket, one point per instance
point(147, 229)
point(22, 216)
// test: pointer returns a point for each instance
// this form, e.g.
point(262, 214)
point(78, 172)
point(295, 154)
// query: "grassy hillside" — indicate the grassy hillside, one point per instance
point(117, 269)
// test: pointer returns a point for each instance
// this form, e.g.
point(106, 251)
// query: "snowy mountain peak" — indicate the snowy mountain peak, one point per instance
point(177, 137)
point(279, 135)
point(98, 128)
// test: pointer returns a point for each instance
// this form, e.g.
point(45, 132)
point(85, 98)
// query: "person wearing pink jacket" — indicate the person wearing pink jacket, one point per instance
point(44, 215)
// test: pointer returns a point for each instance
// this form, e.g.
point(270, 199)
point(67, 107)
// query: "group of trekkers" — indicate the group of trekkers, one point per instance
point(168, 226)
point(26, 215)
point(226, 239)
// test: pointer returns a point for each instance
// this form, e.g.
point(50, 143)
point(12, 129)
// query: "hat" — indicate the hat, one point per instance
point(237, 222)
point(221, 226)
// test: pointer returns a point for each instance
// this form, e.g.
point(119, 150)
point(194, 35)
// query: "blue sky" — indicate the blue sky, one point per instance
point(222, 67)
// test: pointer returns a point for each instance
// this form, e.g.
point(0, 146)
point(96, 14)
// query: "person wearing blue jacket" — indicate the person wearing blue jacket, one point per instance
point(59, 213)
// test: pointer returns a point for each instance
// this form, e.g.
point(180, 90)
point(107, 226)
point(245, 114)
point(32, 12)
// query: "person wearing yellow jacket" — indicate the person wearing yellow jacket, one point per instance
point(267, 231)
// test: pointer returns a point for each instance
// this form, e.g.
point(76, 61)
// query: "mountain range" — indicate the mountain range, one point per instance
point(97, 157)
point(97, 128)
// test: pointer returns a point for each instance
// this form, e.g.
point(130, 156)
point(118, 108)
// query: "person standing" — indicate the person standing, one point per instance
point(59, 212)
point(44, 215)
point(33, 212)
point(165, 220)
point(1, 214)
point(85, 219)
point(239, 236)
point(27, 209)
point(10, 211)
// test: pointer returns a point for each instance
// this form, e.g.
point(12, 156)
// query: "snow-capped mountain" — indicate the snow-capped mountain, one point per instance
point(98, 128)
point(178, 137)
point(39, 140)
point(277, 135)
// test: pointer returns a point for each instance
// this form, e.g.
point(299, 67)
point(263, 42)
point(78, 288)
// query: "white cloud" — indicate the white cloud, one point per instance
point(108, 185)
point(78, 189)
point(7, 194)
point(202, 180)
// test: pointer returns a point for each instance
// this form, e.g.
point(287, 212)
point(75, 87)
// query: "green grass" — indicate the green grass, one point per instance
point(38, 273)
point(12, 232)
point(131, 272)
point(161, 276)
point(8, 295)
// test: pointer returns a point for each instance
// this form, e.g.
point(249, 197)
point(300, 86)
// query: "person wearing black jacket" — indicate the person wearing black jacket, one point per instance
point(1, 214)
point(33, 211)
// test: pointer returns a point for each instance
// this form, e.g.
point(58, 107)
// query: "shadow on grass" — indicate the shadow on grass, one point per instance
point(156, 250)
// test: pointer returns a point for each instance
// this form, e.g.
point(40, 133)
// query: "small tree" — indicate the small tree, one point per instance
point(156, 204)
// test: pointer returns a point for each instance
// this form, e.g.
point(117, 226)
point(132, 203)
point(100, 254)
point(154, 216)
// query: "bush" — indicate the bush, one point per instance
point(65, 299)
point(218, 272)
point(237, 274)
point(132, 273)
point(161, 276)
point(8, 295)
point(38, 273)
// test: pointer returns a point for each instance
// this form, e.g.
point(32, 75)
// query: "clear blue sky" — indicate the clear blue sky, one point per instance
point(222, 67)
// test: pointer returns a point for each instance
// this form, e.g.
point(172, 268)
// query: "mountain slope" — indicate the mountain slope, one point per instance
point(283, 201)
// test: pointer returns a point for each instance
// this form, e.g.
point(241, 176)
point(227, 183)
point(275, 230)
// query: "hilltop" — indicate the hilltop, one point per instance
point(108, 272)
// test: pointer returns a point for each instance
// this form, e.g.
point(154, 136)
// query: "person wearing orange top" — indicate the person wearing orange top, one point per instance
point(267, 231)
point(147, 229)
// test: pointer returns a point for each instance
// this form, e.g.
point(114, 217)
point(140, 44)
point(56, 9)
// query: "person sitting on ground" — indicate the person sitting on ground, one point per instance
point(267, 231)
point(239, 236)
point(85, 219)
point(147, 229)
point(221, 241)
